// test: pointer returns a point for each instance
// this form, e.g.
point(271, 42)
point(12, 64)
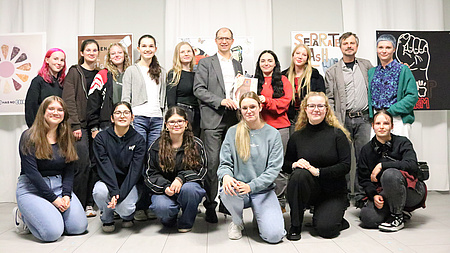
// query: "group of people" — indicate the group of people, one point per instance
point(127, 138)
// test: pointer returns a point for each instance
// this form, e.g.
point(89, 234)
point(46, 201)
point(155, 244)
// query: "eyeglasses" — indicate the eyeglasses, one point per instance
point(176, 122)
point(224, 38)
point(313, 106)
point(124, 113)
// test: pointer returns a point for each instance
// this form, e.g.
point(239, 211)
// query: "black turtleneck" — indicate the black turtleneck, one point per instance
point(324, 147)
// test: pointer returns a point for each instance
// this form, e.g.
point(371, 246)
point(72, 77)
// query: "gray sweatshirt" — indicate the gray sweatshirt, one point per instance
point(264, 164)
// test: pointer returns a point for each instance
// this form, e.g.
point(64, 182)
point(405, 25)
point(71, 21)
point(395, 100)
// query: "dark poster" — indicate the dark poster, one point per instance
point(428, 55)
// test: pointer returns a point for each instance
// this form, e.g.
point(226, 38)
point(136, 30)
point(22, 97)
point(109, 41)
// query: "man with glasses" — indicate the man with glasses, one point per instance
point(346, 88)
point(213, 82)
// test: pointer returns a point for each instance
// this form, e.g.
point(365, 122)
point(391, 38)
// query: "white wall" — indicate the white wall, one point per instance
point(138, 17)
point(302, 15)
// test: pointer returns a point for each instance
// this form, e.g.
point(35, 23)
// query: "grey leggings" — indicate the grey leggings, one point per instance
point(396, 197)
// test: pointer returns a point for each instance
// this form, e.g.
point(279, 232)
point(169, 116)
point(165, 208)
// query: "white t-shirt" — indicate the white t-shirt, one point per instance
point(151, 107)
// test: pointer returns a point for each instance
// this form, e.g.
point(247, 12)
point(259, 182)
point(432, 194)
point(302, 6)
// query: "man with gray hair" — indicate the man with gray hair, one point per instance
point(346, 88)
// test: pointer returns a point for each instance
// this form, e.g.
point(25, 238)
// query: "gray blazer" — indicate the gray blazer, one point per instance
point(209, 88)
point(335, 86)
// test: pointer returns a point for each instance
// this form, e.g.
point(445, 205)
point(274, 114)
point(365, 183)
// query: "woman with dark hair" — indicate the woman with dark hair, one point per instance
point(48, 82)
point(75, 94)
point(144, 88)
point(275, 92)
point(180, 82)
point(250, 159)
point(318, 158)
point(387, 171)
point(175, 173)
point(303, 78)
point(120, 153)
point(106, 89)
point(46, 204)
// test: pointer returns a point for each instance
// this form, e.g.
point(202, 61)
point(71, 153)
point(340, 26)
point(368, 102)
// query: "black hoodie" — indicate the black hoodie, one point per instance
point(120, 160)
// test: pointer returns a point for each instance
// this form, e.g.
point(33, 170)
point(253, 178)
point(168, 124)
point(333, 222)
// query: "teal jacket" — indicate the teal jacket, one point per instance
point(407, 95)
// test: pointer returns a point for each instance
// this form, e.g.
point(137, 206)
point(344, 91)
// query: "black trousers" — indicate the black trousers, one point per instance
point(212, 139)
point(304, 191)
point(85, 171)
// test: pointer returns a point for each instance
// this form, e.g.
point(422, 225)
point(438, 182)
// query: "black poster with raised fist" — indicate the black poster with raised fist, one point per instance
point(427, 53)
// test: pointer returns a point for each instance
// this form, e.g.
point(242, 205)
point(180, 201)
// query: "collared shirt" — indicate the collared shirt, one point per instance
point(355, 88)
point(384, 85)
point(228, 73)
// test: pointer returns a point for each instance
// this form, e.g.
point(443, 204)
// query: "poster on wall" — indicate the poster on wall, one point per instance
point(242, 50)
point(324, 47)
point(21, 58)
point(104, 41)
point(428, 57)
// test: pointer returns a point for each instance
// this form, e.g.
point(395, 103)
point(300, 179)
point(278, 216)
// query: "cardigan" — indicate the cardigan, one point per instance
point(134, 90)
point(407, 95)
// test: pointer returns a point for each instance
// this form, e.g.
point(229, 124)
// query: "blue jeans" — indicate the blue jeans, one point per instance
point(125, 208)
point(43, 219)
point(149, 127)
point(166, 208)
point(265, 208)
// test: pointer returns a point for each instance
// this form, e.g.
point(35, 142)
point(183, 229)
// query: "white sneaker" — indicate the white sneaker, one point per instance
point(235, 231)
point(21, 227)
point(90, 212)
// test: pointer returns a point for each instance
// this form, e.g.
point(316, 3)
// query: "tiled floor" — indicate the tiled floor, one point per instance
point(428, 231)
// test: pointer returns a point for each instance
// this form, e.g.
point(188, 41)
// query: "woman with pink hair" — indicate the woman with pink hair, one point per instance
point(48, 82)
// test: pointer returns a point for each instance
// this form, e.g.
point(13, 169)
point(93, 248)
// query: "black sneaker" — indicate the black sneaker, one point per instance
point(294, 233)
point(393, 224)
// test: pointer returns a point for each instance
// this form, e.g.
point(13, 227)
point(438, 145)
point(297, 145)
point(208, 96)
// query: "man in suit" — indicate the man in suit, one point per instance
point(346, 84)
point(213, 82)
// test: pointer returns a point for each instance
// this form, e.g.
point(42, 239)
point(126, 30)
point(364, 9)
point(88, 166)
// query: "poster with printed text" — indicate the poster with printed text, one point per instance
point(324, 47)
point(104, 41)
point(428, 56)
point(242, 50)
point(21, 58)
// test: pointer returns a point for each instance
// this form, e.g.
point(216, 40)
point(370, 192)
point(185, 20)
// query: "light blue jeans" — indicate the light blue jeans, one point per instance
point(149, 127)
point(43, 219)
point(125, 208)
point(166, 208)
point(265, 208)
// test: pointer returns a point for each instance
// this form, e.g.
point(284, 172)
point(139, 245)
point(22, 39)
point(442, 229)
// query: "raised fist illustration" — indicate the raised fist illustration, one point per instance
point(415, 52)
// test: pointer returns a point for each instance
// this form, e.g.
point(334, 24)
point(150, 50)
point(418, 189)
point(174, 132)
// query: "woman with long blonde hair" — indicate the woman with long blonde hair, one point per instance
point(106, 89)
point(303, 78)
point(318, 158)
point(250, 159)
point(180, 83)
point(47, 207)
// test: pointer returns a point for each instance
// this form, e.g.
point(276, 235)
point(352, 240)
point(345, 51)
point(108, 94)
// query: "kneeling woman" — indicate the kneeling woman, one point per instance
point(176, 169)
point(120, 152)
point(48, 207)
point(250, 159)
point(318, 158)
point(387, 170)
